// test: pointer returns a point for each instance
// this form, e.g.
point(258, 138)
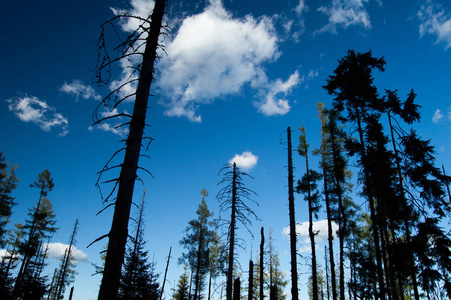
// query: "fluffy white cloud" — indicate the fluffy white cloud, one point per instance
point(108, 127)
point(270, 103)
point(245, 161)
point(435, 21)
point(320, 230)
point(438, 115)
point(31, 109)
point(213, 55)
point(5, 254)
point(78, 89)
point(57, 250)
point(345, 13)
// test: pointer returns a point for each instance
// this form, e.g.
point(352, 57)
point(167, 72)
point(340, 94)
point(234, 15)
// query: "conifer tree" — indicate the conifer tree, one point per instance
point(139, 279)
point(182, 290)
point(8, 182)
point(37, 228)
point(197, 240)
point(353, 90)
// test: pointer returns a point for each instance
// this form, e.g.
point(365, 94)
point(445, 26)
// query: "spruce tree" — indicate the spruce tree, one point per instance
point(8, 182)
point(197, 240)
point(139, 279)
point(182, 290)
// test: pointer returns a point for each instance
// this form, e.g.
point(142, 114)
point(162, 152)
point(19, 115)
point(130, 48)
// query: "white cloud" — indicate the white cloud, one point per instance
point(301, 8)
point(141, 8)
point(320, 229)
point(31, 109)
point(345, 13)
point(270, 103)
point(5, 253)
point(114, 128)
point(312, 74)
point(438, 115)
point(78, 89)
point(245, 161)
point(214, 55)
point(435, 21)
point(57, 250)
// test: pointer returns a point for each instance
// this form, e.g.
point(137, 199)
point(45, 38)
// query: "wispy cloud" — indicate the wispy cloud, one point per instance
point(345, 13)
point(57, 250)
point(31, 109)
point(214, 55)
point(245, 161)
point(272, 101)
point(320, 229)
point(78, 89)
point(437, 117)
point(435, 21)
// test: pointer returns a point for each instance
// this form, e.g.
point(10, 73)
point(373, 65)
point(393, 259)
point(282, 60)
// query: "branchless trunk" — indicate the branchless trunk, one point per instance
point(294, 271)
point(119, 228)
point(262, 243)
point(251, 280)
point(232, 236)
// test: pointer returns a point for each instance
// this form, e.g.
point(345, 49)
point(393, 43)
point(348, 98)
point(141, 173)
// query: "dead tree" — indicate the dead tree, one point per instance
point(124, 184)
point(231, 198)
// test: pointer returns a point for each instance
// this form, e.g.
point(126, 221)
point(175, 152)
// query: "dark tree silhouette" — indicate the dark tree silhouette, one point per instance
point(231, 197)
point(353, 89)
point(307, 186)
point(139, 279)
point(38, 227)
point(65, 274)
point(132, 46)
point(8, 182)
point(293, 242)
point(182, 290)
point(197, 240)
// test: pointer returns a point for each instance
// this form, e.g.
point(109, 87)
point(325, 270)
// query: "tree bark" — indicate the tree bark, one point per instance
point(232, 236)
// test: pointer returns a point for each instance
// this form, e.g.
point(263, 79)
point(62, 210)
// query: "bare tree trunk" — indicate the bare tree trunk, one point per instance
point(251, 280)
point(165, 273)
point(119, 228)
point(237, 289)
point(294, 271)
point(232, 237)
point(262, 244)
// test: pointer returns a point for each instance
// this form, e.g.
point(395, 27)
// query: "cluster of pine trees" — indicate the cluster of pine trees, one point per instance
point(25, 257)
point(393, 246)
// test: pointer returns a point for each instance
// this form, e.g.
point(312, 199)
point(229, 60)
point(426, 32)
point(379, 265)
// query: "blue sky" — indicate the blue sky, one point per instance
point(236, 74)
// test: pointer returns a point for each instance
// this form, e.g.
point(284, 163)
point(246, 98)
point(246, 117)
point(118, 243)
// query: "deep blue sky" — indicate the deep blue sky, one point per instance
point(236, 74)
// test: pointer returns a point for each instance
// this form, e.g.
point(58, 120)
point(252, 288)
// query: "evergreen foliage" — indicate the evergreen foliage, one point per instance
point(139, 279)
point(8, 182)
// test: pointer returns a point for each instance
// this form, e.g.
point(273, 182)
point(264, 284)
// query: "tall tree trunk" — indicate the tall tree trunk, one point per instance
point(328, 212)
point(250, 293)
point(404, 207)
point(294, 271)
point(374, 219)
point(262, 244)
point(327, 273)
point(119, 228)
point(232, 236)
point(237, 289)
point(165, 273)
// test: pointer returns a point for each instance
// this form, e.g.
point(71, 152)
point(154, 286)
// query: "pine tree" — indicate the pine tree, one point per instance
point(197, 240)
point(353, 89)
point(38, 227)
point(8, 182)
point(139, 279)
point(182, 291)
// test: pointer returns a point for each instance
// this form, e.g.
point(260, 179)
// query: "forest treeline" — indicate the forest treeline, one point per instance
point(393, 246)
point(392, 241)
